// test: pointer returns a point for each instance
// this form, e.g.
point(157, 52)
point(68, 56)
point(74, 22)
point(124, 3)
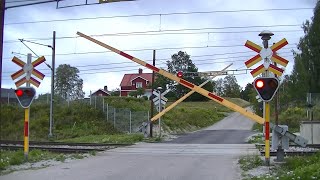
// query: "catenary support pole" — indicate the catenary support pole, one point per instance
point(52, 83)
point(2, 10)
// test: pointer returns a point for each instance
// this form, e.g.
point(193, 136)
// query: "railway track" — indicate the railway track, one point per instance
point(294, 150)
point(60, 146)
point(291, 153)
point(316, 146)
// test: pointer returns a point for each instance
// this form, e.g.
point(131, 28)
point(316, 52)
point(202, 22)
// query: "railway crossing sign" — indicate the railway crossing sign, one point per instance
point(266, 53)
point(156, 100)
point(28, 69)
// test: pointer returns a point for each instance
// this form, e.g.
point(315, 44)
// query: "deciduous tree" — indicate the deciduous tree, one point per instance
point(68, 84)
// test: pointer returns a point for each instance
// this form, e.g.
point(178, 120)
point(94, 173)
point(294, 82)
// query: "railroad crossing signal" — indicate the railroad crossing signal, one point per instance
point(25, 96)
point(156, 100)
point(266, 87)
point(28, 69)
point(180, 74)
point(269, 53)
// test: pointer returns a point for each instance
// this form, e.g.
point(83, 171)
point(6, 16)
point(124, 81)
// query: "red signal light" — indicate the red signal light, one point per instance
point(259, 84)
point(180, 74)
point(19, 92)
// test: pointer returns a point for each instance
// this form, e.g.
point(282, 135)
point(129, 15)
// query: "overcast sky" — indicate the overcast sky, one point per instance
point(99, 69)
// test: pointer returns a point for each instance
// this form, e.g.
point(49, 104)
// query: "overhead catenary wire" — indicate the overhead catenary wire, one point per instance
point(175, 32)
point(160, 14)
point(169, 58)
point(212, 61)
point(20, 1)
point(150, 49)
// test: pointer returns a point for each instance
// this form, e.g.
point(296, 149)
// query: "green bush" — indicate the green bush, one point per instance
point(292, 117)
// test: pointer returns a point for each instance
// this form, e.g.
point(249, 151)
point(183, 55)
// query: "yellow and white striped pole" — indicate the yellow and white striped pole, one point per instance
point(267, 132)
point(26, 133)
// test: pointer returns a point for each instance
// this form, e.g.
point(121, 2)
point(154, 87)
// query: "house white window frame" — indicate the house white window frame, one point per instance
point(139, 85)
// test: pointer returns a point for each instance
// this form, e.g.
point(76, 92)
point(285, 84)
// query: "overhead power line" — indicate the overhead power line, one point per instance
point(20, 1)
point(160, 14)
point(174, 32)
point(124, 68)
point(100, 52)
point(195, 61)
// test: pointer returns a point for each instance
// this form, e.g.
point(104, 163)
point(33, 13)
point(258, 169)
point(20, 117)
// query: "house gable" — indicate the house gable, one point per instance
point(137, 78)
point(100, 92)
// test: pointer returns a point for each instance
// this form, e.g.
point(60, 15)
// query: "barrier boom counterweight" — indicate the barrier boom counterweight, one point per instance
point(181, 81)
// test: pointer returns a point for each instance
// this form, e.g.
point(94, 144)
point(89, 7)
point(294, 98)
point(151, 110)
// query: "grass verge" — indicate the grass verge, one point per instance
point(250, 162)
point(299, 167)
point(10, 158)
point(196, 115)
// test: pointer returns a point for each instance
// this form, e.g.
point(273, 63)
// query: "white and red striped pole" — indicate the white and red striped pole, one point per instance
point(183, 82)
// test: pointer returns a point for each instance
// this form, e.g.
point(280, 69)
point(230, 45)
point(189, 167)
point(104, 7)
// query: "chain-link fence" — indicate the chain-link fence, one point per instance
point(123, 119)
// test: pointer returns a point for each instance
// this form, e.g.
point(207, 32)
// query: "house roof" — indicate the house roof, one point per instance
point(101, 90)
point(127, 78)
point(5, 92)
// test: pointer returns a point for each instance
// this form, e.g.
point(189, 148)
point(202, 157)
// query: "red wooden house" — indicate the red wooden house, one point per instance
point(131, 82)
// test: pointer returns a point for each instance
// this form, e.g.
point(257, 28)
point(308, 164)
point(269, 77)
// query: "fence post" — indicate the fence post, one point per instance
point(102, 104)
point(130, 122)
point(90, 97)
point(95, 102)
point(107, 112)
point(114, 117)
point(8, 98)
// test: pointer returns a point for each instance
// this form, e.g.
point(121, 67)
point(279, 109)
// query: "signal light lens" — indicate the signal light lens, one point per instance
point(180, 74)
point(19, 92)
point(266, 87)
point(259, 84)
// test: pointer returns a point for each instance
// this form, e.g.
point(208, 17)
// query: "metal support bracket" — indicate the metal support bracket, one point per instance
point(296, 139)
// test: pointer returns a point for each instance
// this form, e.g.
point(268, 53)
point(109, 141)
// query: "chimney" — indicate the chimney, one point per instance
point(140, 71)
point(105, 88)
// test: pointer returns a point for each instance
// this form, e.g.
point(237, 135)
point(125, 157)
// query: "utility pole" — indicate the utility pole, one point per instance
point(52, 82)
point(276, 100)
point(276, 103)
point(2, 9)
point(151, 105)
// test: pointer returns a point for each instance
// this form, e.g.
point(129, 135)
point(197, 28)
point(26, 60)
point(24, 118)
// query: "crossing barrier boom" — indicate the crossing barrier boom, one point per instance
point(181, 81)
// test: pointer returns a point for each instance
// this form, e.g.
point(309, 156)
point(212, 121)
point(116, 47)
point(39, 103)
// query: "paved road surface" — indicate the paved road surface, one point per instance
point(146, 161)
point(234, 129)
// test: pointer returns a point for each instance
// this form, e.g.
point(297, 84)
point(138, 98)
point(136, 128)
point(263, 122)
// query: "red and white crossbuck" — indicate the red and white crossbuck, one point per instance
point(269, 53)
point(28, 69)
